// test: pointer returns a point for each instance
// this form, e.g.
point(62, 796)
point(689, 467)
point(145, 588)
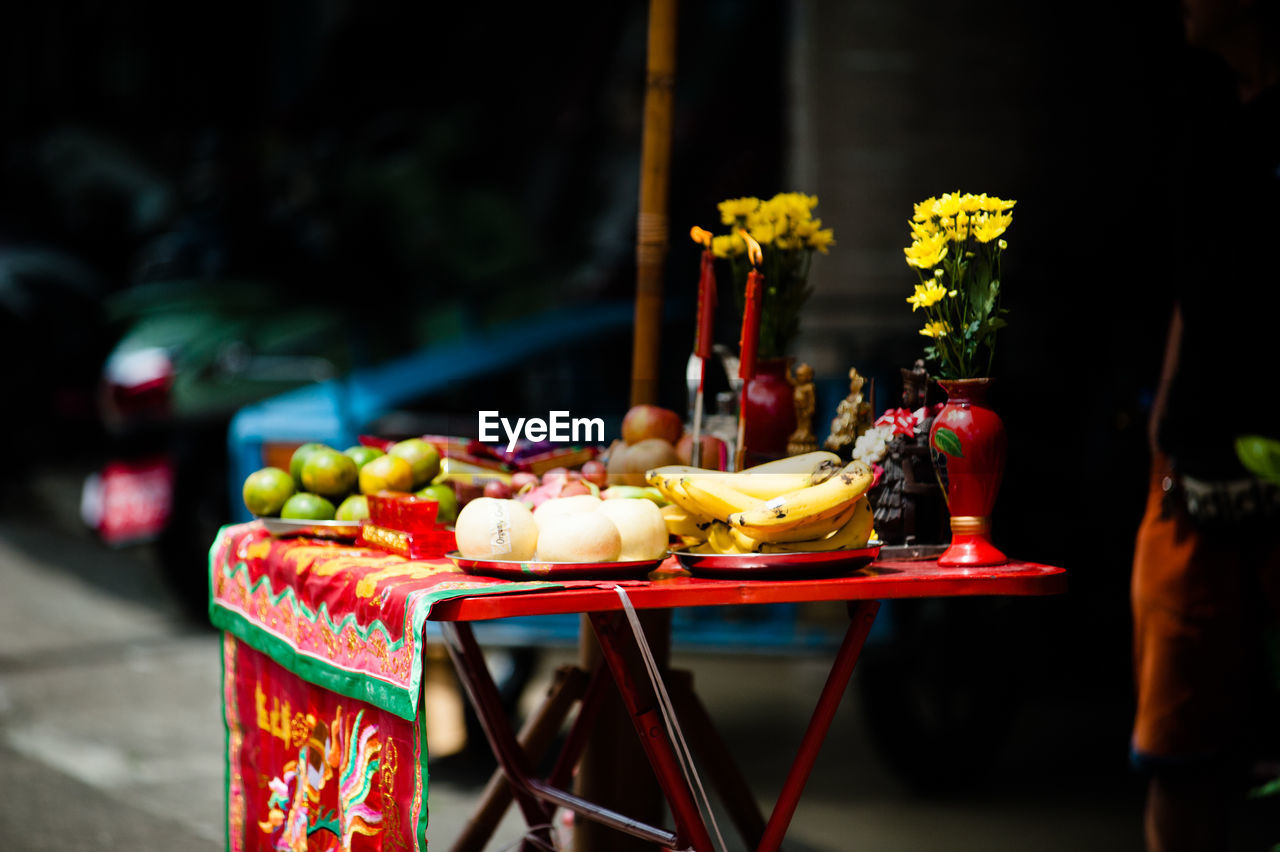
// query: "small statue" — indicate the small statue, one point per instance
point(803, 440)
point(853, 416)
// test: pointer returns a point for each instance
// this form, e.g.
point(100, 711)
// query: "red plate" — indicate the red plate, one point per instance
point(777, 565)
point(534, 570)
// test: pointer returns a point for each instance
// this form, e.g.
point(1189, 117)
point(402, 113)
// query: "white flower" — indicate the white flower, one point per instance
point(873, 445)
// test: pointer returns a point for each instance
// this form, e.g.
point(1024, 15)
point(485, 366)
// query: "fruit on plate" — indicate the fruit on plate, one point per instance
point(854, 533)
point(628, 462)
point(265, 491)
point(306, 506)
point(641, 525)
point(354, 508)
point(559, 507)
point(826, 499)
point(714, 451)
point(422, 456)
point(628, 492)
point(581, 537)
point(299, 458)
point(642, 422)
point(329, 473)
point(798, 505)
point(386, 473)
point(362, 455)
point(489, 528)
point(447, 498)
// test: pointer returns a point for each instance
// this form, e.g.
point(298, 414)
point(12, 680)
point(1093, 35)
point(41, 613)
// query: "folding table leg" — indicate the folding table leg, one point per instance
point(861, 616)
point(618, 647)
point(534, 739)
point(475, 678)
point(723, 771)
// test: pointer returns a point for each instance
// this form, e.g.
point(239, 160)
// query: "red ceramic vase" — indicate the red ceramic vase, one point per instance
point(769, 407)
point(968, 445)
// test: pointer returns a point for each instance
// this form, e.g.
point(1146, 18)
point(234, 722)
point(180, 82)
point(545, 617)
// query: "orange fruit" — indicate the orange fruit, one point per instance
point(386, 473)
point(354, 508)
point(362, 455)
point(446, 497)
point(299, 458)
point(422, 455)
point(307, 507)
point(265, 491)
point(329, 473)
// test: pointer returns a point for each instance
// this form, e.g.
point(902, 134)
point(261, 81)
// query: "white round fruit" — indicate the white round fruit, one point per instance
point(559, 507)
point(581, 537)
point(641, 525)
point(492, 528)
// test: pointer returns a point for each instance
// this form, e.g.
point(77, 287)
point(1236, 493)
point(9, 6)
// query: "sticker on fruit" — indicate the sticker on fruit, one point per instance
point(559, 427)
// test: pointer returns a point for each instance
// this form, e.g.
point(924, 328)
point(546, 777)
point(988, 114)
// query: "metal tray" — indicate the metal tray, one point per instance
point(777, 565)
point(283, 527)
point(535, 570)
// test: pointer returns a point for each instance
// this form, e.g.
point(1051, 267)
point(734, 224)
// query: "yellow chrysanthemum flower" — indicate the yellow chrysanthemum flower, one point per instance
point(925, 228)
point(948, 205)
point(924, 210)
point(728, 245)
point(973, 203)
point(821, 240)
point(737, 208)
point(988, 226)
point(936, 329)
point(926, 252)
point(763, 232)
point(999, 205)
point(927, 295)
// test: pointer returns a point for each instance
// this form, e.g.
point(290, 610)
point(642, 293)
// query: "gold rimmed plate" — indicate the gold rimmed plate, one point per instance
point(778, 565)
point(538, 570)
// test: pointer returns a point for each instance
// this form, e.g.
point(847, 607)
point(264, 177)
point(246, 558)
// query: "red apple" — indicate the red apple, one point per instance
point(523, 478)
point(650, 421)
point(556, 474)
point(594, 470)
point(498, 489)
point(712, 448)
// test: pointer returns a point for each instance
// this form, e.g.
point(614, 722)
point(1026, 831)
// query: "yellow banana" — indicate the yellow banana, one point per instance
point(669, 487)
point(855, 533)
point(817, 526)
point(715, 497)
point(803, 463)
point(790, 510)
point(720, 537)
point(681, 523)
point(745, 543)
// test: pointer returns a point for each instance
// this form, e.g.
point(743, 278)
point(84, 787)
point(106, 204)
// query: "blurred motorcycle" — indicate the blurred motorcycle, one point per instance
point(188, 355)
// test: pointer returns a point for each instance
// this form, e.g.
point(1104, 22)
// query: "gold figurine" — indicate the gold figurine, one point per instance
point(803, 440)
point(853, 416)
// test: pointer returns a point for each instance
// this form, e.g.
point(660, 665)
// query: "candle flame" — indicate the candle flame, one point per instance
point(701, 236)
point(754, 252)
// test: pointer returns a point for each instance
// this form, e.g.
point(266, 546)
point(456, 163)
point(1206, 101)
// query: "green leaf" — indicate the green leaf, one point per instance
point(948, 442)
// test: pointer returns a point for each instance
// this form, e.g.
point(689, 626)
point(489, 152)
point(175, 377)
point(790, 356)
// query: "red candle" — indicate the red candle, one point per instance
point(706, 305)
point(750, 339)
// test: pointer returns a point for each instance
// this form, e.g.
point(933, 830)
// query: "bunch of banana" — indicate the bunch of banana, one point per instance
point(811, 502)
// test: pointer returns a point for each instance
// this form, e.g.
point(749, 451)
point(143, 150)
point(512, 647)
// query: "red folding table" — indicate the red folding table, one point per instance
point(538, 797)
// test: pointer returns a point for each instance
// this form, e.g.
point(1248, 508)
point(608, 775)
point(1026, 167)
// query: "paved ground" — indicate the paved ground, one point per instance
point(111, 736)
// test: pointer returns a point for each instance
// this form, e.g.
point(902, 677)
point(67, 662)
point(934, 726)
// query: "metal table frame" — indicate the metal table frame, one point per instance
point(538, 798)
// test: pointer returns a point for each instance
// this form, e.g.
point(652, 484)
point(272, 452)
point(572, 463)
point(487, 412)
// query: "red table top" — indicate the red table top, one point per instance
point(881, 580)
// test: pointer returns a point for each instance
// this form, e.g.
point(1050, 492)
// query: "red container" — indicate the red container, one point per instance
point(968, 445)
point(404, 524)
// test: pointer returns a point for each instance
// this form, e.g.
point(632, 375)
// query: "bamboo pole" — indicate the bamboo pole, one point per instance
point(651, 224)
